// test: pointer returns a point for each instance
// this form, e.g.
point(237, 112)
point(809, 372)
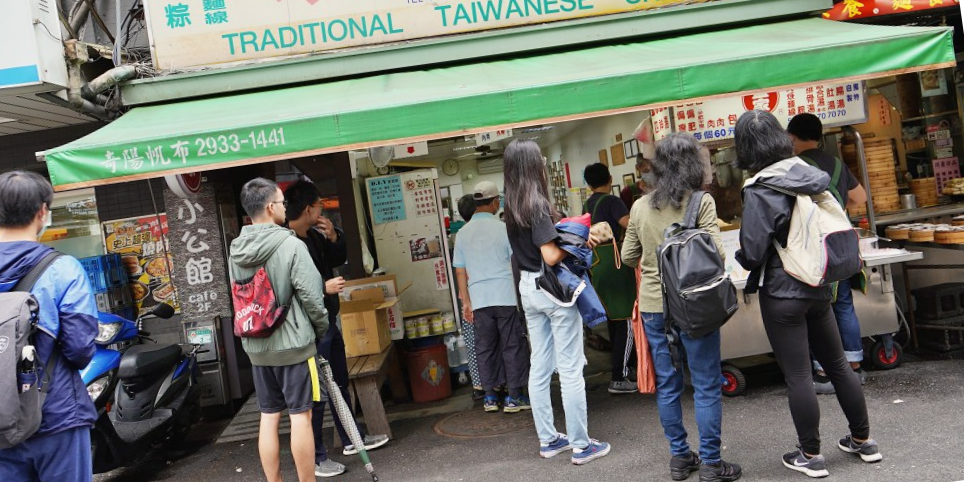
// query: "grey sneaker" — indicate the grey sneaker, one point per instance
point(867, 451)
point(822, 385)
point(625, 386)
point(372, 442)
point(815, 467)
point(329, 468)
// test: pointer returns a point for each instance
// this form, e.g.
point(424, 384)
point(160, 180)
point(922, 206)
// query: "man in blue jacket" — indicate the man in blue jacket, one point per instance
point(60, 450)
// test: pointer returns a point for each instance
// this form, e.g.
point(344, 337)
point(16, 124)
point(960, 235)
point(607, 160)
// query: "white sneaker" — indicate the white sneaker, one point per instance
point(329, 468)
point(372, 442)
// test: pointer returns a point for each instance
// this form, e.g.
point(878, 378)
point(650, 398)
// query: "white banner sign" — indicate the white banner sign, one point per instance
point(836, 104)
point(196, 33)
point(662, 123)
point(490, 137)
point(416, 149)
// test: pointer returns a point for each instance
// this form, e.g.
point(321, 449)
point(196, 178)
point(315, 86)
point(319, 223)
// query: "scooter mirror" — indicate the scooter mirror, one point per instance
point(163, 310)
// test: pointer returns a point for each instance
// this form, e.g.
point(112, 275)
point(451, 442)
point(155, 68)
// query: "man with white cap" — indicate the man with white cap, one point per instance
point(483, 269)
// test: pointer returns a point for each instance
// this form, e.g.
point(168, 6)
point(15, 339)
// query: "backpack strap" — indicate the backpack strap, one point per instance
point(27, 282)
point(691, 219)
point(837, 171)
point(595, 207)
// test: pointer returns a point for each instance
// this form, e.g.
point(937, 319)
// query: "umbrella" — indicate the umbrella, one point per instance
point(344, 414)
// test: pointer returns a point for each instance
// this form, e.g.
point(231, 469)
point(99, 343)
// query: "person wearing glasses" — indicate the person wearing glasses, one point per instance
point(326, 243)
point(284, 363)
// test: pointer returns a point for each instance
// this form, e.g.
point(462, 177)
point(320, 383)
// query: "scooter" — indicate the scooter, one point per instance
point(146, 395)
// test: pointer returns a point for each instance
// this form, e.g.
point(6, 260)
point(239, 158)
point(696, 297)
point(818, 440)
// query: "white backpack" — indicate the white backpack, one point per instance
point(822, 246)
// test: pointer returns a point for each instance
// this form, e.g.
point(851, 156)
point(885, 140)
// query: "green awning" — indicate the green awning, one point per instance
point(402, 107)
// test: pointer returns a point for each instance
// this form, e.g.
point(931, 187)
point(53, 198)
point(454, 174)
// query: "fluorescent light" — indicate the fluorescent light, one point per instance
point(4, 120)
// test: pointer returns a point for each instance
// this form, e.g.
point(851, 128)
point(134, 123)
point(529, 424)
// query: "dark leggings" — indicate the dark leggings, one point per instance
point(795, 328)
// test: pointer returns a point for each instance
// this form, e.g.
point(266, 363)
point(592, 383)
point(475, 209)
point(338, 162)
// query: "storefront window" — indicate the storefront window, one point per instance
point(76, 226)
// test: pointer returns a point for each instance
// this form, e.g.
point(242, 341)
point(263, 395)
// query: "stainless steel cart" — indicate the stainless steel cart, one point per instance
point(744, 337)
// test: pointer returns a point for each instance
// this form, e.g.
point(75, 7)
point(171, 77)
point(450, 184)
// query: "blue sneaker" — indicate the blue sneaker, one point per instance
point(491, 404)
point(595, 450)
point(516, 404)
point(556, 447)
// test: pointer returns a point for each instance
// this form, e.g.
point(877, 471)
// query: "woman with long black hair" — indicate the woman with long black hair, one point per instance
point(798, 318)
point(555, 332)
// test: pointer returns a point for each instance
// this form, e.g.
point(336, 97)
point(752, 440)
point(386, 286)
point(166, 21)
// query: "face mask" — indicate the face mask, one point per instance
point(648, 177)
point(47, 222)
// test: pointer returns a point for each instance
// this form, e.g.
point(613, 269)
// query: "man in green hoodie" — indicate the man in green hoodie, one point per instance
point(284, 367)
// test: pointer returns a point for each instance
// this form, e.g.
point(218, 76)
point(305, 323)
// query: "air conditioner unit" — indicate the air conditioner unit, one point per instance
point(493, 166)
point(33, 60)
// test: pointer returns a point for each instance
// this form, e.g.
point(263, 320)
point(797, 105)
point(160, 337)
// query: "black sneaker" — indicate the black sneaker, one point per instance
point(681, 466)
point(867, 451)
point(815, 467)
point(720, 472)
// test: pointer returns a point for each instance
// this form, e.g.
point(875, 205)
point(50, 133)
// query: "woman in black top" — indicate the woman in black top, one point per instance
point(555, 332)
point(798, 318)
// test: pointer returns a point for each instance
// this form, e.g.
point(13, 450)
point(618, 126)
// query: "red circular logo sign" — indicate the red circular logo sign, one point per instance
point(191, 182)
point(763, 101)
point(185, 186)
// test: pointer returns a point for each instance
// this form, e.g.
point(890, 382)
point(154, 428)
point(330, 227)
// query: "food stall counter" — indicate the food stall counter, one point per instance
point(918, 214)
point(744, 335)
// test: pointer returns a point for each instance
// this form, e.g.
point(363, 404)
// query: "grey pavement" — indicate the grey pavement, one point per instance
point(915, 415)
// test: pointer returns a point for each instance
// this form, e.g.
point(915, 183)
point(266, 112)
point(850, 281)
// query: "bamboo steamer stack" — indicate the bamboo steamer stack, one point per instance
point(925, 190)
point(849, 154)
point(882, 175)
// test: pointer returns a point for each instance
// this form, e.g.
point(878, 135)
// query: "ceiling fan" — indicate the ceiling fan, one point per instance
point(383, 157)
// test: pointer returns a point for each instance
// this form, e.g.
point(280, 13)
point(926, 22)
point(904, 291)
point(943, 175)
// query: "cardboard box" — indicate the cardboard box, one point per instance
point(365, 322)
point(389, 288)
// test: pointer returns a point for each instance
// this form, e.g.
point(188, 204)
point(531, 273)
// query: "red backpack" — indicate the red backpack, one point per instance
point(257, 313)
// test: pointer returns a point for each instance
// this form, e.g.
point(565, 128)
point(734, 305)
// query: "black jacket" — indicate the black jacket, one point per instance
point(766, 217)
point(327, 256)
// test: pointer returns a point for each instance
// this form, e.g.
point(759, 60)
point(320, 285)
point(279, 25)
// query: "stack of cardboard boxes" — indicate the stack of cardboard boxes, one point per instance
point(371, 316)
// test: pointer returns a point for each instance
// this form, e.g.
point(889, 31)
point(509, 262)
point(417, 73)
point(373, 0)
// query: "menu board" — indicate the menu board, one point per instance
point(142, 244)
point(714, 120)
point(388, 203)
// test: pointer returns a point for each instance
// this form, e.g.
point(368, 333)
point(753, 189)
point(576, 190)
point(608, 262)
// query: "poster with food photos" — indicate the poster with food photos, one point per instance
point(141, 243)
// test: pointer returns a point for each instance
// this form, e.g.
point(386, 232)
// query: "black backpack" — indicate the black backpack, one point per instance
point(698, 295)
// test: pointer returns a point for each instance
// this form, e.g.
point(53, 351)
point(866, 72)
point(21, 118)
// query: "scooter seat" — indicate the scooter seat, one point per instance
point(144, 360)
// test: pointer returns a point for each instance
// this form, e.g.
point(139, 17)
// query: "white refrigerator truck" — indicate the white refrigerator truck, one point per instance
point(410, 238)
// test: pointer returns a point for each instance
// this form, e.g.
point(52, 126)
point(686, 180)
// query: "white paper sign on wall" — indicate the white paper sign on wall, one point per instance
point(411, 150)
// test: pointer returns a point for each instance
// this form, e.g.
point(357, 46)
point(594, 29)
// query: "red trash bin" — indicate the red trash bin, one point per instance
point(428, 372)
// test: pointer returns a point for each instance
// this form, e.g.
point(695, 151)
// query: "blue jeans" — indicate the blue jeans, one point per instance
point(62, 457)
point(555, 334)
point(847, 324)
point(703, 358)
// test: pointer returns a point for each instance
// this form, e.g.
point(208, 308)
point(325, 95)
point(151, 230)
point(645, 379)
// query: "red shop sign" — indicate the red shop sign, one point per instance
point(858, 9)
